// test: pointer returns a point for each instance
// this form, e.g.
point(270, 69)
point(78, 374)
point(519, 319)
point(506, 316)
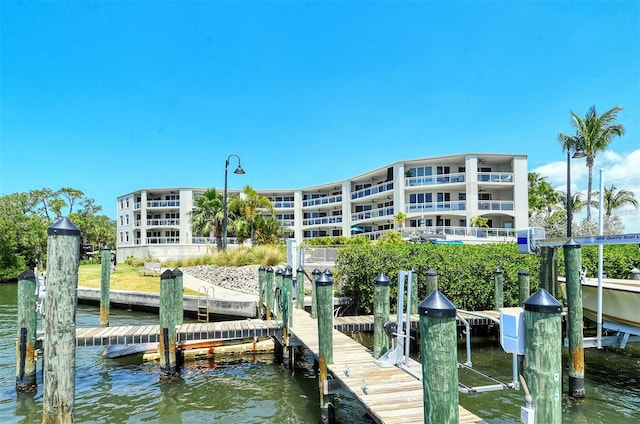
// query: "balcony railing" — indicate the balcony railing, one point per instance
point(322, 220)
point(428, 180)
point(283, 205)
point(163, 203)
point(496, 205)
point(372, 190)
point(495, 177)
point(163, 240)
point(163, 222)
point(458, 205)
point(327, 200)
point(374, 213)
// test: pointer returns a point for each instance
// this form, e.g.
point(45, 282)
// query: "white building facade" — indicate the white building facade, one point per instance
point(440, 196)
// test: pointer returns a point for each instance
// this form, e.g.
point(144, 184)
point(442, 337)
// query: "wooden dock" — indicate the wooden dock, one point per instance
point(132, 334)
point(355, 323)
point(390, 395)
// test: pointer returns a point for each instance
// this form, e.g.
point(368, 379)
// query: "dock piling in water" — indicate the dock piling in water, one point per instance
point(324, 291)
point(26, 341)
point(300, 288)
point(178, 300)
point(498, 284)
point(167, 339)
point(262, 283)
point(380, 315)
point(523, 286)
point(432, 281)
point(315, 274)
point(63, 259)
point(573, 266)
point(287, 296)
point(269, 292)
point(105, 284)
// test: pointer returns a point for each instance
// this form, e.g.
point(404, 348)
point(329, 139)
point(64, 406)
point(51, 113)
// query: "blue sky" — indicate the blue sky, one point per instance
point(111, 97)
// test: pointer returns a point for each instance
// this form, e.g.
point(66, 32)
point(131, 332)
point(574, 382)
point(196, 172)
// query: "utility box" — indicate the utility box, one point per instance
point(528, 238)
point(512, 330)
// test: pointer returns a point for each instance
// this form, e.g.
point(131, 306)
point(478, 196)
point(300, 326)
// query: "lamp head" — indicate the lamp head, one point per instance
point(239, 170)
point(579, 154)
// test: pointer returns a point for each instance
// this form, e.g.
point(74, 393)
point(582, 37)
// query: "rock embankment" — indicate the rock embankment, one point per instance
point(243, 279)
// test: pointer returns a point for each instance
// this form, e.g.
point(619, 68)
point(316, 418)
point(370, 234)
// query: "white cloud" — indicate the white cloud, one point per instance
point(620, 169)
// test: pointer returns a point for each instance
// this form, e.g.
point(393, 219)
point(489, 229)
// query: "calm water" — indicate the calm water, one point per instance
point(257, 389)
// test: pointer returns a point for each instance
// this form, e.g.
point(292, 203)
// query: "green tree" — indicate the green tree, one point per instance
point(399, 219)
point(542, 197)
point(614, 199)
point(251, 205)
point(594, 133)
point(208, 214)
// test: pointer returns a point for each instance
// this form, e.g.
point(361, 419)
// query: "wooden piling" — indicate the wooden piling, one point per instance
point(438, 352)
point(432, 281)
point(300, 288)
point(498, 289)
point(262, 282)
point(167, 339)
point(523, 286)
point(279, 282)
point(543, 355)
point(105, 284)
point(573, 266)
point(288, 295)
point(414, 291)
point(26, 340)
point(549, 270)
point(324, 291)
point(380, 315)
point(269, 292)
point(315, 274)
point(178, 300)
point(63, 258)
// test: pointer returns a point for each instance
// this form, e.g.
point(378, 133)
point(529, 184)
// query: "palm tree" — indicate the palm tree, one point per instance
point(252, 204)
point(614, 199)
point(207, 216)
point(399, 218)
point(594, 133)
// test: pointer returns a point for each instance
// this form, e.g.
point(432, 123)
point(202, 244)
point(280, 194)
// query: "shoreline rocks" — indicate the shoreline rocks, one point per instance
point(243, 279)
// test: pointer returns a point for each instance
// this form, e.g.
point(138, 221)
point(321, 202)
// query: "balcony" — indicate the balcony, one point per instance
point(430, 180)
point(496, 205)
point(283, 205)
point(322, 220)
point(436, 207)
point(163, 222)
point(163, 203)
point(374, 213)
point(369, 191)
point(327, 200)
point(495, 177)
point(163, 240)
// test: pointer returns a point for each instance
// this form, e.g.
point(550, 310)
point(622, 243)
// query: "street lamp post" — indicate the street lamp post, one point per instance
point(577, 154)
point(238, 170)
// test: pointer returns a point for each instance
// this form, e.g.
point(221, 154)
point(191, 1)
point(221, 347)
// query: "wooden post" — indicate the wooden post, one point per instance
point(105, 283)
point(63, 258)
point(300, 288)
point(26, 340)
point(498, 291)
point(262, 283)
point(380, 315)
point(414, 291)
point(167, 344)
point(523, 286)
point(315, 274)
point(572, 266)
point(438, 351)
point(288, 295)
point(549, 270)
point(269, 292)
point(543, 355)
point(324, 287)
point(178, 292)
point(278, 305)
point(432, 281)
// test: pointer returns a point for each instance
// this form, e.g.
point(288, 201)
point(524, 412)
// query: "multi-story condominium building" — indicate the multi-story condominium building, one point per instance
point(440, 196)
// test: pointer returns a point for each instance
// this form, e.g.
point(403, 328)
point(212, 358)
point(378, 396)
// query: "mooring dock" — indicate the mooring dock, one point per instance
point(390, 395)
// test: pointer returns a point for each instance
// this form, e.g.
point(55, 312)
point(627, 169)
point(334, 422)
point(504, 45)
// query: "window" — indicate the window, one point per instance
point(121, 220)
point(127, 219)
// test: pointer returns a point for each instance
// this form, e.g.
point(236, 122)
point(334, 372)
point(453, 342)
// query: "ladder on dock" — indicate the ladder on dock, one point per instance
point(203, 302)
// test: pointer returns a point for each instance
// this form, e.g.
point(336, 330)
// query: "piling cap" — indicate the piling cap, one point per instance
point(279, 271)
point(167, 274)
point(288, 273)
point(497, 271)
point(523, 272)
point(571, 243)
point(542, 301)
point(635, 271)
point(269, 269)
point(300, 269)
point(106, 247)
point(381, 280)
point(316, 271)
point(436, 305)
point(64, 227)
point(262, 268)
point(328, 272)
point(27, 275)
point(324, 280)
point(289, 267)
point(177, 272)
point(432, 272)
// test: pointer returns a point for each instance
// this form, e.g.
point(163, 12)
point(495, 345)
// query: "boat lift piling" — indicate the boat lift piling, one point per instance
point(26, 341)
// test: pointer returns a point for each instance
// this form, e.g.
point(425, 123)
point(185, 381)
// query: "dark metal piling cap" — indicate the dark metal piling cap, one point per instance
point(106, 247)
point(262, 268)
point(571, 243)
point(436, 305)
point(63, 227)
point(328, 272)
point(497, 271)
point(381, 280)
point(542, 301)
point(269, 269)
point(289, 267)
point(523, 272)
point(167, 274)
point(177, 272)
point(324, 280)
point(300, 269)
point(279, 271)
point(432, 272)
point(288, 273)
point(316, 271)
point(27, 275)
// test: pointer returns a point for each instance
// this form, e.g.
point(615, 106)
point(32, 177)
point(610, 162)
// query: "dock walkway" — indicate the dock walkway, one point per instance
point(390, 395)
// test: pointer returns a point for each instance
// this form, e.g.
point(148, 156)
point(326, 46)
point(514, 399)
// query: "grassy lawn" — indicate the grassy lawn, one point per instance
point(126, 277)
